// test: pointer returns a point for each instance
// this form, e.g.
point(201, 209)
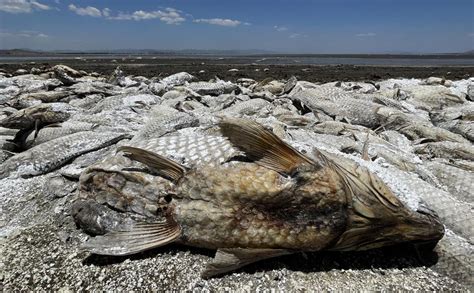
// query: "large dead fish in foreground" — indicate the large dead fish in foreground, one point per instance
point(273, 201)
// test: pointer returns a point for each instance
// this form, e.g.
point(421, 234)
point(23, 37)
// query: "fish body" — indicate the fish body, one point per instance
point(212, 88)
point(55, 153)
point(46, 97)
point(259, 198)
point(179, 78)
point(46, 113)
point(58, 130)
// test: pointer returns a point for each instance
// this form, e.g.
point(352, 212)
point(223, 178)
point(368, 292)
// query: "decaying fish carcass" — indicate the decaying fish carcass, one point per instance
point(277, 201)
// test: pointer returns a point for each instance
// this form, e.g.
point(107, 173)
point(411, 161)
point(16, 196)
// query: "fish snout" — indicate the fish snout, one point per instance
point(424, 225)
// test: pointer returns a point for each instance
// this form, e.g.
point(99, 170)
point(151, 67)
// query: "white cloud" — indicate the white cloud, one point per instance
point(220, 21)
point(85, 11)
point(23, 34)
point(366, 35)
point(39, 6)
point(280, 28)
point(22, 6)
point(169, 16)
point(106, 12)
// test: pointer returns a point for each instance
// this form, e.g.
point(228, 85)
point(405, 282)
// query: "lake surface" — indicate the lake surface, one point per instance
point(263, 60)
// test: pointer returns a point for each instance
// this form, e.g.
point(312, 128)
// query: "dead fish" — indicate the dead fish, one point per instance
point(95, 87)
point(62, 74)
point(124, 101)
point(290, 84)
point(23, 101)
point(72, 72)
point(162, 120)
point(272, 202)
point(54, 131)
point(339, 105)
point(273, 86)
point(250, 107)
point(455, 258)
point(42, 114)
point(446, 149)
point(116, 77)
point(212, 88)
point(459, 182)
point(222, 101)
point(433, 97)
point(179, 78)
point(46, 97)
point(461, 127)
point(415, 128)
point(88, 102)
point(54, 153)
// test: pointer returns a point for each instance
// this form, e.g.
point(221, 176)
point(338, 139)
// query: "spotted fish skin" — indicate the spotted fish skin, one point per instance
point(245, 205)
point(254, 197)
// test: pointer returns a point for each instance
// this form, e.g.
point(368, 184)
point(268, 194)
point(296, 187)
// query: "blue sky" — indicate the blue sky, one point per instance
point(299, 26)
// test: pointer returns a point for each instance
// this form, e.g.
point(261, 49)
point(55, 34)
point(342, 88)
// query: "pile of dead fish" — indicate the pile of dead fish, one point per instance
point(419, 134)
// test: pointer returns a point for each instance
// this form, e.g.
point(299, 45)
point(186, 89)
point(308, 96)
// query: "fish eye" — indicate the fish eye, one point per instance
point(168, 198)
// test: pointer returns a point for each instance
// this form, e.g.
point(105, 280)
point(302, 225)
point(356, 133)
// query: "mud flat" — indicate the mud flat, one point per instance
point(207, 68)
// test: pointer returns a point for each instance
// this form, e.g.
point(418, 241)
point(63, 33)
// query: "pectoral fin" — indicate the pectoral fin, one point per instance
point(163, 166)
point(137, 238)
point(261, 145)
point(365, 149)
point(229, 259)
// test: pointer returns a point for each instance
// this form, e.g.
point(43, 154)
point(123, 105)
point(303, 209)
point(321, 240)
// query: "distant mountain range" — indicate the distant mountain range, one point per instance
point(28, 52)
point(187, 52)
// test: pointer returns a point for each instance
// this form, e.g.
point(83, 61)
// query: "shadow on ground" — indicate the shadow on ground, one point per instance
point(399, 256)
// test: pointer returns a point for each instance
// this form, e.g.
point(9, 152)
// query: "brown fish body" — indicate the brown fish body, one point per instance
point(271, 201)
point(246, 205)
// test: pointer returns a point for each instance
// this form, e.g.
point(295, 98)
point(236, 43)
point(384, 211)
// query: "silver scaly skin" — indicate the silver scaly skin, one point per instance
point(54, 153)
point(212, 88)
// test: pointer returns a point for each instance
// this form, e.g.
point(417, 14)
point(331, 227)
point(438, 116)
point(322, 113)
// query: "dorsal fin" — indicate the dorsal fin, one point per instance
point(138, 238)
point(261, 145)
point(161, 165)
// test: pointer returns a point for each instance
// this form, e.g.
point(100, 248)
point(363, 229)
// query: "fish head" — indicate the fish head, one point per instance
point(123, 187)
point(377, 218)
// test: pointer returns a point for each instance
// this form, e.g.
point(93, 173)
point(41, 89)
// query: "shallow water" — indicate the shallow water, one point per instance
point(436, 60)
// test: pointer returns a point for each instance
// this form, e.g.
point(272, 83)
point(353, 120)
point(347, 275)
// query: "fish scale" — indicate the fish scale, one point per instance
point(54, 153)
point(248, 209)
point(193, 150)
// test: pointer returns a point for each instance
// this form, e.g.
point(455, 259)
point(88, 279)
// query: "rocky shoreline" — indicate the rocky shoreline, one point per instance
point(56, 121)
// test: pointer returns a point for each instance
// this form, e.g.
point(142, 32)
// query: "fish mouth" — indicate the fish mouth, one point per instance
point(422, 226)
